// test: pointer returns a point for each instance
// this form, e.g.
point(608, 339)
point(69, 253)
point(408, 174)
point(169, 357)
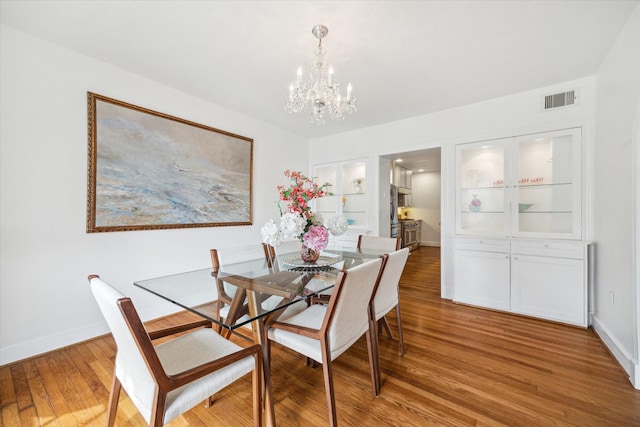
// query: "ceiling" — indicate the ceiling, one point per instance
point(427, 160)
point(404, 58)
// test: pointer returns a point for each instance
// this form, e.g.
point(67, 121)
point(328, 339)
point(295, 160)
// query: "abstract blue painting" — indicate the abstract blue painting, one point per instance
point(149, 170)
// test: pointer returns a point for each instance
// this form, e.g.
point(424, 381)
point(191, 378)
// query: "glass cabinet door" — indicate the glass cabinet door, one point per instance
point(526, 186)
point(348, 186)
point(327, 206)
point(546, 180)
point(481, 200)
point(354, 197)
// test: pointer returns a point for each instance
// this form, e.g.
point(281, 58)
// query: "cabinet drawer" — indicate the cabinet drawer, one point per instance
point(549, 248)
point(482, 244)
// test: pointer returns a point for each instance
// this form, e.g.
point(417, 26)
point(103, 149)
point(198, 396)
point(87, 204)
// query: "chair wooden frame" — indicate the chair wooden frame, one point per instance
point(322, 335)
point(166, 383)
point(383, 324)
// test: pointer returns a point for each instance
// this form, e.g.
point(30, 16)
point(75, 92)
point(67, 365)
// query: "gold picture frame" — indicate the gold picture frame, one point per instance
point(148, 170)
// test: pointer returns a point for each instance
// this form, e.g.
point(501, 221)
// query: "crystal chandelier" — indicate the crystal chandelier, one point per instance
point(319, 91)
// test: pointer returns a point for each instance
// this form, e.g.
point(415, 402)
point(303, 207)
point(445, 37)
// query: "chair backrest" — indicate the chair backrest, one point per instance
point(347, 316)
point(221, 257)
point(386, 296)
point(288, 247)
point(388, 244)
point(130, 367)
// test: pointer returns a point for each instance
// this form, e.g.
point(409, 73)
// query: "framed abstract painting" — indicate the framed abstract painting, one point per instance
point(148, 170)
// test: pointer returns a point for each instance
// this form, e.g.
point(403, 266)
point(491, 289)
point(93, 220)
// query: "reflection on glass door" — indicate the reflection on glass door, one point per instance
point(481, 192)
point(547, 181)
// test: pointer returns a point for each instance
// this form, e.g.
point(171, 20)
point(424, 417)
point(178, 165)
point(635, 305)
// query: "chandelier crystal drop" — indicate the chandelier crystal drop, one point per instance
point(319, 91)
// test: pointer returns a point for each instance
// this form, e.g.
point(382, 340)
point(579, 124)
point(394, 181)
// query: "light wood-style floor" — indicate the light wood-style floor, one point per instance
point(463, 366)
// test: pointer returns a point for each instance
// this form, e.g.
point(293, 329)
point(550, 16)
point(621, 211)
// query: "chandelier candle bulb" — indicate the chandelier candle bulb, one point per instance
point(330, 76)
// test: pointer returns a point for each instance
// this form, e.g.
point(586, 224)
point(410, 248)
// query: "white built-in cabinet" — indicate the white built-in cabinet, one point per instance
point(482, 272)
point(542, 278)
point(518, 242)
point(349, 197)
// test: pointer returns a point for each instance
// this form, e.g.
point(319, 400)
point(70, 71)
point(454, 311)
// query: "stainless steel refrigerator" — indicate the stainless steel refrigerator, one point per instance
point(394, 211)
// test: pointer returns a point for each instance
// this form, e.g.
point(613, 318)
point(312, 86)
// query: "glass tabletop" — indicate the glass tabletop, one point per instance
point(276, 285)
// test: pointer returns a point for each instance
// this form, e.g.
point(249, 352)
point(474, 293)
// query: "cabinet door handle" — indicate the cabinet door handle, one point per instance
point(515, 257)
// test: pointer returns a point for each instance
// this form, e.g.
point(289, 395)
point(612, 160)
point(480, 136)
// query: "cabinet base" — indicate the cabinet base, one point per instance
point(511, 313)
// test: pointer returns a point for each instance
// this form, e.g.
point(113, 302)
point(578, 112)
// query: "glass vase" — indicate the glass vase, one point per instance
point(475, 205)
point(309, 255)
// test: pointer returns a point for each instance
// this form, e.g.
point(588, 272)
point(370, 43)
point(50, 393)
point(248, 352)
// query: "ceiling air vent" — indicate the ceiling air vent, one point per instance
point(557, 100)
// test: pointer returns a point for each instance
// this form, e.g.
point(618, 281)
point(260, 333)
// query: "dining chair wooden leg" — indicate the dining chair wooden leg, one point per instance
point(311, 363)
point(385, 325)
point(400, 335)
point(328, 383)
point(113, 400)
point(256, 377)
point(374, 359)
point(157, 411)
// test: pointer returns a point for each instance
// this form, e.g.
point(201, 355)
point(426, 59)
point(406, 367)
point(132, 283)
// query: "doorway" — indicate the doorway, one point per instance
point(418, 178)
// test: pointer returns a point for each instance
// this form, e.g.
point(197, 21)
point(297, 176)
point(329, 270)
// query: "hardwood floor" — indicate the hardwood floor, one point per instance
point(463, 366)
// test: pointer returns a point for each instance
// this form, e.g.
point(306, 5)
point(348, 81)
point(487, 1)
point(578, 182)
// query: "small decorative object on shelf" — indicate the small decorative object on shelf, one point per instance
point(475, 204)
point(357, 185)
point(299, 222)
point(522, 207)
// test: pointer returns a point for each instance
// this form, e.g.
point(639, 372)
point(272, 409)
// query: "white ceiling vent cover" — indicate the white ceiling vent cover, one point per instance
point(562, 99)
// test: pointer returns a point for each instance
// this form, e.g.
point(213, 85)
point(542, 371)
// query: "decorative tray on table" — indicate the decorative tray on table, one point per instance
point(324, 261)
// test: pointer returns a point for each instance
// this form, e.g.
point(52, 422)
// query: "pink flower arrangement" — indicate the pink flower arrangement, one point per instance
point(298, 221)
point(316, 238)
point(300, 192)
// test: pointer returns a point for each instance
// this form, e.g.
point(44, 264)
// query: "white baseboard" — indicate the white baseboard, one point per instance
point(429, 243)
point(41, 345)
point(624, 359)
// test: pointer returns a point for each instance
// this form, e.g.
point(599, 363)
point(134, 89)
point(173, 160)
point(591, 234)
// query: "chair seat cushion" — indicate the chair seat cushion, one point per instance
point(311, 317)
point(190, 350)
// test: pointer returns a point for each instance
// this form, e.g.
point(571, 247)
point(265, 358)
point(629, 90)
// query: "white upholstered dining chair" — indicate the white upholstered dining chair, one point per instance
point(389, 296)
point(388, 244)
point(387, 293)
point(288, 247)
point(165, 380)
point(323, 332)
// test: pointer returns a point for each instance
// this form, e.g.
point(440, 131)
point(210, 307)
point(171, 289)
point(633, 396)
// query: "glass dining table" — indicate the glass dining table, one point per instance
point(261, 290)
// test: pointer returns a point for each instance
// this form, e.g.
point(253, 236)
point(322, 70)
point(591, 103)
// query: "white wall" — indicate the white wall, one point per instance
point(425, 195)
point(617, 113)
point(611, 160)
point(513, 115)
point(45, 253)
